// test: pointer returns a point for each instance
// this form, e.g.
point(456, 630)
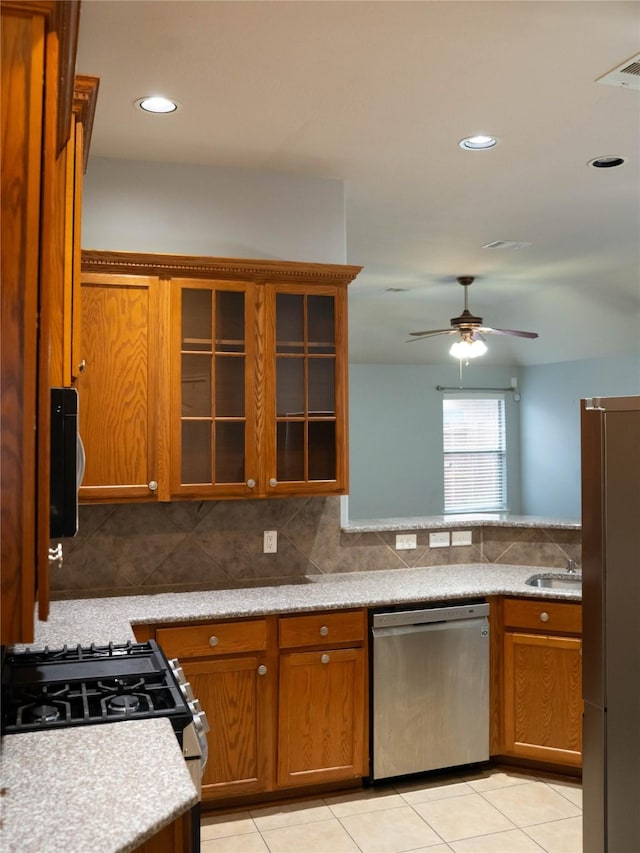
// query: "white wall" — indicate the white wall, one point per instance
point(200, 210)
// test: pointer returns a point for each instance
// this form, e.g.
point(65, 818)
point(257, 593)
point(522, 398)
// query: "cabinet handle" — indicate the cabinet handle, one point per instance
point(324, 631)
point(262, 670)
point(82, 366)
point(153, 485)
point(55, 554)
point(544, 616)
point(251, 483)
point(324, 659)
point(273, 482)
point(213, 641)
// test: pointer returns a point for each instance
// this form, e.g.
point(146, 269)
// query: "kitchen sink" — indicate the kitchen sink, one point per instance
point(561, 580)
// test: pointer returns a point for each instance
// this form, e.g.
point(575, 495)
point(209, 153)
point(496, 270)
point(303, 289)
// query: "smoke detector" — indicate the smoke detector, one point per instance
point(626, 75)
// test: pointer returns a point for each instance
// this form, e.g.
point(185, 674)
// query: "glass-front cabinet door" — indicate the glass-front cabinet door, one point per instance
point(213, 442)
point(306, 450)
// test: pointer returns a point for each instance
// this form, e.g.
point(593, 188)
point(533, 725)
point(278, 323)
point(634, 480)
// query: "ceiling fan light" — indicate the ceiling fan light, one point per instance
point(468, 349)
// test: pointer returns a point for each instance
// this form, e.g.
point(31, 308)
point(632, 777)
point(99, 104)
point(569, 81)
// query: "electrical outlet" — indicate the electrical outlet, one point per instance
point(405, 541)
point(270, 542)
point(439, 540)
point(461, 537)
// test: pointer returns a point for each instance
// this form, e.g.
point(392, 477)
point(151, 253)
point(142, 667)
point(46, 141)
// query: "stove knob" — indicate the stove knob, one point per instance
point(179, 674)
point(195, 707)
point(187, 692)
point(201, 723)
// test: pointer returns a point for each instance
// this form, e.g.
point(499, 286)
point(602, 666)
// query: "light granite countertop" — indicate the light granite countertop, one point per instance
point(127, 766)
point(93, 789)
point(447, 522)
point(101, 620)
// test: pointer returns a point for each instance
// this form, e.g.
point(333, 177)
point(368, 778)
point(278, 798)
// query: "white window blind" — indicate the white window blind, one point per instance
point(474, 453)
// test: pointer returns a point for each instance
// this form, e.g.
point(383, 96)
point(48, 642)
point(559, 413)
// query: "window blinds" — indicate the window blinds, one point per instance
point(474, 453)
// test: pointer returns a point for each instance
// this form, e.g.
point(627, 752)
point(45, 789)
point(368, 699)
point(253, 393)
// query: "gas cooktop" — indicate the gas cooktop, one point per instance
point(72, 686)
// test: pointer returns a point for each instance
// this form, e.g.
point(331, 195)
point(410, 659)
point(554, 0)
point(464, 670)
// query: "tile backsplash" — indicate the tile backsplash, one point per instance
point(125, 549)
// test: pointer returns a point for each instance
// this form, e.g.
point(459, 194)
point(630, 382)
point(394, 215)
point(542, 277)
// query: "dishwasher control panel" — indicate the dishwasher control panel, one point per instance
point(426, 614)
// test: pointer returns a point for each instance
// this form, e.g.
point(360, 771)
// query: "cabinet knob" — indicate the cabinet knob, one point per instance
point(153, 486)
point(324, 631)
point(544, 616)
point(82, 366)
point(251, 483)
point(273, 482)
point(262, 670)
point(213, 641)
point(324, 659)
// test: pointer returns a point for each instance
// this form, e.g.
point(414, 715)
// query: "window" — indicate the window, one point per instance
point(474, 453)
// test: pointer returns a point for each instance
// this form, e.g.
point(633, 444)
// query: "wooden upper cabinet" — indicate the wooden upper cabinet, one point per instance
point(65, 236)
point(38, 44)
point(119, 389)
point(215, 402)
point(254, 363)
point(306, 383)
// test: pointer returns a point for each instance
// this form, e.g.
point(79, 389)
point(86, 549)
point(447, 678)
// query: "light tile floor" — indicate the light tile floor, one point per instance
point(492, 811)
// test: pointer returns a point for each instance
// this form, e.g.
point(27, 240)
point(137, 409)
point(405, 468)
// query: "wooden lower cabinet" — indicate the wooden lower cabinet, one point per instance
point(285, 697)
point(322, 712)
point(174, 838)
point(237, 696)
point(542, 681)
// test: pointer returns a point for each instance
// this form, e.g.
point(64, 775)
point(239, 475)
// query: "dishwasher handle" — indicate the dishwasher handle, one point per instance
point(391, 618)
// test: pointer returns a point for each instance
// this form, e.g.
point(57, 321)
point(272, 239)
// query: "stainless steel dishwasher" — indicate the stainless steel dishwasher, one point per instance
point(430, 688)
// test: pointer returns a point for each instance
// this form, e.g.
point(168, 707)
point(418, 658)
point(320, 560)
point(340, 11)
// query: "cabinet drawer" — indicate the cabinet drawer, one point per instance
point(214, 638)
point(543, 615)
point(321, 629)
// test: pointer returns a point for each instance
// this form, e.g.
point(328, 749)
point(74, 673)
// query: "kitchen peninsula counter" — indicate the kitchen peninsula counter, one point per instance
point(92, 788)
point(460, 522)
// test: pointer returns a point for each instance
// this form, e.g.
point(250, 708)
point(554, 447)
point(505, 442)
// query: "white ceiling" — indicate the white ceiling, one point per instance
point(378, 94)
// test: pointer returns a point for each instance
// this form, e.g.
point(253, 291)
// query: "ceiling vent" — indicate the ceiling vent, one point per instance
point(506, 244)
point(626, 75)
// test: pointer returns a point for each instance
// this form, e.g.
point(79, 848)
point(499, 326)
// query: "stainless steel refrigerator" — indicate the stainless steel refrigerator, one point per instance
point(610, 449)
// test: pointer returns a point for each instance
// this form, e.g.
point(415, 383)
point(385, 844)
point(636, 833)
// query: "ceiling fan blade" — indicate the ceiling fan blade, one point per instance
point(489, 331)
point(431, 332)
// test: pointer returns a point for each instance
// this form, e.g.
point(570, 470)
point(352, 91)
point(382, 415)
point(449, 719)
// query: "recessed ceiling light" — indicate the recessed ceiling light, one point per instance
point(477, 143)
point(157, 104)
point(608, 162)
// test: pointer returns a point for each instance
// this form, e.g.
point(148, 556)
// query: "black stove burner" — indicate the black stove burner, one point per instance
point(44, 713)
point(93, 684)
point(125, 704)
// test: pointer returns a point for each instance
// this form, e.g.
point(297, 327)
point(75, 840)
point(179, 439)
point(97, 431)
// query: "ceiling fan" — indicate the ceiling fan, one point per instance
point(469, 328)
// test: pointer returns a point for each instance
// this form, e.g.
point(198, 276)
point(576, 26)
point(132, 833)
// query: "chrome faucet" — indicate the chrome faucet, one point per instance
point(572, 567)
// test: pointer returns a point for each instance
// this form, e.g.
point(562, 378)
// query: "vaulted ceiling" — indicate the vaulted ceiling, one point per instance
point(378, 94)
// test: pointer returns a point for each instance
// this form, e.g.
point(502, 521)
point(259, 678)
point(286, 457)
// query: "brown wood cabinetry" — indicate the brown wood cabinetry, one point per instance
point(322, 709)
point(120, 387)
point(38, 43)
point(252, 376)
point(65, 237)
point(286, 699)
point(541, 681)
point(233, 676)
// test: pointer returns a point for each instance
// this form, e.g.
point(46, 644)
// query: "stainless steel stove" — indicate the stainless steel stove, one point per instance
point(44, 689)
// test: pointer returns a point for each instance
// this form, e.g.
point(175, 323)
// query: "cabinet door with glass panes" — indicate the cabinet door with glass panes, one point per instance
point(306, 346)
point(214, 347)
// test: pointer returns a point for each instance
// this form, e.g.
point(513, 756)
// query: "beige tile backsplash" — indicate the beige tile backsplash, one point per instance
point(125, 549)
